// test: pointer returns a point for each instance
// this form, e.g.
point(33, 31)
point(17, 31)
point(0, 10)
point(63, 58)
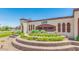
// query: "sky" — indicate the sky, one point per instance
point(11, 16)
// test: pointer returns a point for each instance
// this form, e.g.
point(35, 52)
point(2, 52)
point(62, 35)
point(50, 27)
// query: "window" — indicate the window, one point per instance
point(63, 27)
point(29, 27)
point(33, 27)
point(22, 27)
point(68, 27)
point(59, 27)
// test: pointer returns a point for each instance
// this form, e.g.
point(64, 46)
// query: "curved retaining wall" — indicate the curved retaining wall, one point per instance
point(33, 49)
point(27, 45)
point(75, 43)
point(40, 43)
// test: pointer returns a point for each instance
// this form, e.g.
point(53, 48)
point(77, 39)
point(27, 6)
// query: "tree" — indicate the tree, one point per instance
point(5, 28)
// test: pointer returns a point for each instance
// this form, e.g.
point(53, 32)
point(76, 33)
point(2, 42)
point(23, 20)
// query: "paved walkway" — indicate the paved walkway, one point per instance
point(7, 46)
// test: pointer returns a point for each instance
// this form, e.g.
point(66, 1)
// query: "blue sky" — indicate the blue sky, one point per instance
point(11, 16)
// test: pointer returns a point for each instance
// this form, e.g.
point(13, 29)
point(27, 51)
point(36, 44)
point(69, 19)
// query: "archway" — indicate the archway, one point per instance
point(46, 27)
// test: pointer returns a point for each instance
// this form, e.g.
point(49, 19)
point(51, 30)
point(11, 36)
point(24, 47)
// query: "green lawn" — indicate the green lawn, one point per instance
point(5, 33)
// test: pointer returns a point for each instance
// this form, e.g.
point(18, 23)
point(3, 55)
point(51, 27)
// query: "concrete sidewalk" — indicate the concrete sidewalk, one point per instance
point(7, 46)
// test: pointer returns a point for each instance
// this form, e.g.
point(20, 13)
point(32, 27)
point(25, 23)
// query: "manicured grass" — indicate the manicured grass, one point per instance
point(5, 33)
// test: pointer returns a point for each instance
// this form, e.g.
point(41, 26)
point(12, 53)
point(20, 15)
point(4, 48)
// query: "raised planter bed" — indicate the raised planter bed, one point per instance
point(27, 45)
point(42, 43)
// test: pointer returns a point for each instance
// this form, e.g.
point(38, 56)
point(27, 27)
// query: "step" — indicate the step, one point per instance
point(41, 48)
point(42, 43)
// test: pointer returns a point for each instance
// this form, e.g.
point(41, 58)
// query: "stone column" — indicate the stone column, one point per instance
point(25, 26)
point(75, 20)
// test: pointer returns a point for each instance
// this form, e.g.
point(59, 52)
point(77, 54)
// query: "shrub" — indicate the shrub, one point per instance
point(77, 38)
point(30, 38)
point(58, 38)
point(22, 34)
point(39, 38)
point(18, 32)
point(35, 31)
point(43, 37)
point(34, 37)
point(43, 34)
point(38, 31)
point(50, 38)
point(42, 31)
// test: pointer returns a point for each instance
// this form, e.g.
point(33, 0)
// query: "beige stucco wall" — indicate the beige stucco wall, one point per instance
point(25, 26)
point(73, 21)
point(55, 22)
point(61, 21)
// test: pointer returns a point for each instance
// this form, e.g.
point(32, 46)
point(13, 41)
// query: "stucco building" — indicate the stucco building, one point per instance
point(68, 26)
